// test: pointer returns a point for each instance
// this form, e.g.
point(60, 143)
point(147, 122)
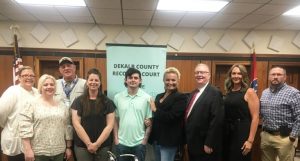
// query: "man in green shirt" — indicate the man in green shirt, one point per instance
point(130, 133)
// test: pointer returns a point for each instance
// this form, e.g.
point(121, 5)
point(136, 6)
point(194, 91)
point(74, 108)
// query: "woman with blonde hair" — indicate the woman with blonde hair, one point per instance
point(44, 125)
point(168, 116)
point(241, 115)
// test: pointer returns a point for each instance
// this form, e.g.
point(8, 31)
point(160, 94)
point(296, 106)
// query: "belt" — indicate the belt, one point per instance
point(272, 132)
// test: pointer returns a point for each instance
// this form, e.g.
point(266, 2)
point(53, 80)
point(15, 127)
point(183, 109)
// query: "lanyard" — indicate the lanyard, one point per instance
point(69, 89)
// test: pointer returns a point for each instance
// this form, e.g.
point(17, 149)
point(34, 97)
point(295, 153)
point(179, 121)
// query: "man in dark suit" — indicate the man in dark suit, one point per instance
point(203, 119)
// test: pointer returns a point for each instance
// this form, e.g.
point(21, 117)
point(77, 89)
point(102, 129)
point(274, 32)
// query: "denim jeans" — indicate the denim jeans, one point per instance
point(164, 153)
point(139, 151)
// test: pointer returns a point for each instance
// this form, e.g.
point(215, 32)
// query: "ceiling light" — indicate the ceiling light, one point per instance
point(53, 2)
point(293, 12)
point(191, 5)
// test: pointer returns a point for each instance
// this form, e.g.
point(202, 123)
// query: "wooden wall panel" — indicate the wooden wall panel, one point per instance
point(292, 71)
point(100, 64)
point(28, 61)
point(88, 64)
point(6, 77)
point(262, 76)
point(220, 69)
point(49, 65)
point(186, 68)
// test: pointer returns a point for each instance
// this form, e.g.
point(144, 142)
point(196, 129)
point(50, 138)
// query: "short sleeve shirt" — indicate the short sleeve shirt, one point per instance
point(93, 123)
point(132, 111)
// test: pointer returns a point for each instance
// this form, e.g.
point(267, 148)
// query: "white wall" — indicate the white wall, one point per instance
point(54, 40)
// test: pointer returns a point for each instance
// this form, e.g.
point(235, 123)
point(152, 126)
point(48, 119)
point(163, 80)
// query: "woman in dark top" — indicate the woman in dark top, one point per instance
point(241, 115)
point(168, 112)
point(93, 119)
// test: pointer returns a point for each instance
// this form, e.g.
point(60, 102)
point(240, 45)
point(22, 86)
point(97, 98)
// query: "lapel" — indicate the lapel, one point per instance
point(167, 101)
point(200, 100)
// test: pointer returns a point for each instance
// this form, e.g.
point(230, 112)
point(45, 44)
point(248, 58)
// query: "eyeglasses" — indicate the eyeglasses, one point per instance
point(27, 76)
point(201, 72)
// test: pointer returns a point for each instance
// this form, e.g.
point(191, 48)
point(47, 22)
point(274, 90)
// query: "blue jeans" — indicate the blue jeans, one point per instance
point(165, 153)
point(139, 151)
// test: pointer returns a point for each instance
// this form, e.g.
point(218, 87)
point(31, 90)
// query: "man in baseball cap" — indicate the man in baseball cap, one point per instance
point(68, 87)
point(65, 60)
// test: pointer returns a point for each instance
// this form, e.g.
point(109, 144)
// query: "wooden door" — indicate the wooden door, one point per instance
point(220, 69)
point(49, 65)
point(292, 72)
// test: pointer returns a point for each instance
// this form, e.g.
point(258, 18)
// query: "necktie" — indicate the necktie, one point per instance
point(190, 104)
point(68, 89)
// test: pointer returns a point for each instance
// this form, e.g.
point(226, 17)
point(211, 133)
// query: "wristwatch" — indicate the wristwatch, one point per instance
point(292, 139)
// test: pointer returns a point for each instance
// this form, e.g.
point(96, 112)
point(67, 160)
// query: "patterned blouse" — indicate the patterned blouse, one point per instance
point(48, 127)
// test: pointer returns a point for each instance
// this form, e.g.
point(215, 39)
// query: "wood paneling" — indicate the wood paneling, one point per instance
point(6, 77)
point(101, 65)
point(186, 68)
point(262, 75)
point(220, 69)
point(49, 65)
point(292, 72)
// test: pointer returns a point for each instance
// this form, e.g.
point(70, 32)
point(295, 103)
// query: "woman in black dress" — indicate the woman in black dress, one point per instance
point(241, 115)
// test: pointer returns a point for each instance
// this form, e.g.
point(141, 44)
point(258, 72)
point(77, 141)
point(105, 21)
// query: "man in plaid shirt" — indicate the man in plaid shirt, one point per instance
point(280, 112)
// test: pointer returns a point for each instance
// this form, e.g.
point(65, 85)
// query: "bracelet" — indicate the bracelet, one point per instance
point(68, 148)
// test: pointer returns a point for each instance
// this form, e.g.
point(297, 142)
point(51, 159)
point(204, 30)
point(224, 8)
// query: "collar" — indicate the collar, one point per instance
point(202, 88)
point(72, 82)
point(275, 89)
point(138, 93)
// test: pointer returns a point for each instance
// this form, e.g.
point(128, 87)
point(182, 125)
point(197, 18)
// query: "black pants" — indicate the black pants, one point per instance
point(19, 157)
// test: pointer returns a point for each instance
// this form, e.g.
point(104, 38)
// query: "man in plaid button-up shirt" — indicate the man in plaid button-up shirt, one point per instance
point(280, 112)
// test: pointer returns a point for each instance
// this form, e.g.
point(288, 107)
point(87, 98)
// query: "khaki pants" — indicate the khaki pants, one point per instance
point(273, 146)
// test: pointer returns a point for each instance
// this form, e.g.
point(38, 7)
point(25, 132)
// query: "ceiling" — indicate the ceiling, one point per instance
point(237, 14)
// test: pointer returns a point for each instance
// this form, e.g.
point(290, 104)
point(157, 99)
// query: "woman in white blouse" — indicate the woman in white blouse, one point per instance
point(44, 125)
point(11, 102)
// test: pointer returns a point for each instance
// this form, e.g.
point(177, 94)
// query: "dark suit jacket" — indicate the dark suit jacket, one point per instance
point(167, 129)
point(204, 124)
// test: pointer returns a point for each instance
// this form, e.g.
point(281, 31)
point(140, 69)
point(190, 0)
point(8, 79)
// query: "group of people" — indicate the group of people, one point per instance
point(74, 115)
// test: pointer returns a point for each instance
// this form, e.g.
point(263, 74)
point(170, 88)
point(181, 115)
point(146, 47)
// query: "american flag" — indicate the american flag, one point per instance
point(254, 83)
point(17, 64)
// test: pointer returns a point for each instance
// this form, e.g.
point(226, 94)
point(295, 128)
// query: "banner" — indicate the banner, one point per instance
point(150, 60)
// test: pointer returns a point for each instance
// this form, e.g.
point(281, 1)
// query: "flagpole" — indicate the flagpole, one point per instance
point(17, 57)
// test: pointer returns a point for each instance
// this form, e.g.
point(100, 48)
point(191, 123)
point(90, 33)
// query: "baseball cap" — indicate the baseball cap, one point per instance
point(65, 60)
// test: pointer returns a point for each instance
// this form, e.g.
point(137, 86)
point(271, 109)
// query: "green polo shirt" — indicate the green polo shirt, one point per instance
point(132, 111)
